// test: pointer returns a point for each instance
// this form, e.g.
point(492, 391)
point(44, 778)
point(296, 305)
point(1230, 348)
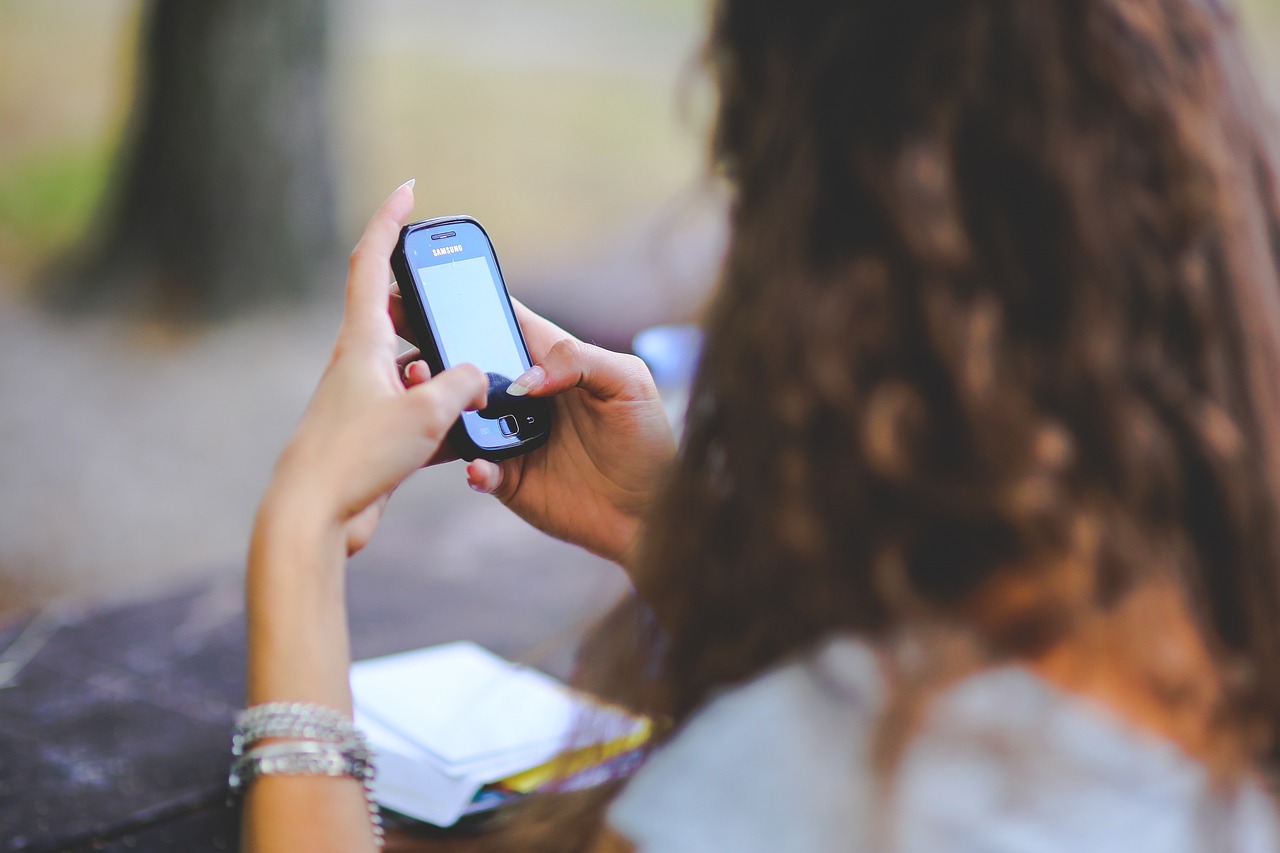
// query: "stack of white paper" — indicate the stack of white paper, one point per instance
point(447, 720)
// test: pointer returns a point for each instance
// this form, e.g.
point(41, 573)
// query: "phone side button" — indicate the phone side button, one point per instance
point(508, 425)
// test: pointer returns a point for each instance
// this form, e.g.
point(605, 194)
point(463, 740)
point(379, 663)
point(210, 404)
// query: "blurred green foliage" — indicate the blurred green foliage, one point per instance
point(66, 74)
point(48, 197)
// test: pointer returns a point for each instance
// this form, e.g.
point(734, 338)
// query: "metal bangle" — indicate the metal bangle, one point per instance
point(298, 758)
point(341, 750)
point(302, 720)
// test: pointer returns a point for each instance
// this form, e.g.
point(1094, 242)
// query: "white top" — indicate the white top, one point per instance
point(1004, 762)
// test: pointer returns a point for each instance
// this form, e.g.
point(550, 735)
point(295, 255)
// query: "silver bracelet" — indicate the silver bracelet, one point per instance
point(295, 720)
point(297, 758)
point(330, 745)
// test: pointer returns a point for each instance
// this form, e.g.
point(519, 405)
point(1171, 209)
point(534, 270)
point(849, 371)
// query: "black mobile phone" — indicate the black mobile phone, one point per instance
point(458, 305)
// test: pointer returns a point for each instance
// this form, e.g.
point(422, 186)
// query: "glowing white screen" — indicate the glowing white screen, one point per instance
point(470, 323)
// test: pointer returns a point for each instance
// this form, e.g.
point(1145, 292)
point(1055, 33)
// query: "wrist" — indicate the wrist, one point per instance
point(294, 548)
point(626, 552)
point(294, 514)
point(303, 490)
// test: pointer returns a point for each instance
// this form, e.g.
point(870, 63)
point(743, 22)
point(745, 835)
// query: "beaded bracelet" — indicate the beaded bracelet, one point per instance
point(293, 720)
point(318, 741)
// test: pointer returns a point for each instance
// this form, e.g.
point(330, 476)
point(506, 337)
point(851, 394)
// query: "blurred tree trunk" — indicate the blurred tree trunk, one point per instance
point(223, 196)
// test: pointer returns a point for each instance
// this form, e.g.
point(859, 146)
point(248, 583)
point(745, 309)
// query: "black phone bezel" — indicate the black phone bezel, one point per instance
point(459, 439)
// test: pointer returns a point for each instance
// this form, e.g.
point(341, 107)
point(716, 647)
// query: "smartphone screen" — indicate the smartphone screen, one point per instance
point(471, 321)
point(469, 317)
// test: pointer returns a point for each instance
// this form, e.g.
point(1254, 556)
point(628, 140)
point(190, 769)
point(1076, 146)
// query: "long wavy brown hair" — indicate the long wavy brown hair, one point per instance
point(1000, 309)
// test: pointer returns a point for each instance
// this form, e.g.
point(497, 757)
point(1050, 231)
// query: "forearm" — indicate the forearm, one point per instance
point(297, 618)
point(299, 651)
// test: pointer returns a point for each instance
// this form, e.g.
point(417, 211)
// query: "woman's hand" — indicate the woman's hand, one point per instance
point(366, 428)
point(594, 481)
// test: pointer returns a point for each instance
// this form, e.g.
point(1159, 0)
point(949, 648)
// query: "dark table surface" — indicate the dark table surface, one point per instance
point(115, 734)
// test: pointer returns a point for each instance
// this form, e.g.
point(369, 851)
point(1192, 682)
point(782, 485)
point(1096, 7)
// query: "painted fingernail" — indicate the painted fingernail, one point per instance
point(527, 381)
point(477, 487)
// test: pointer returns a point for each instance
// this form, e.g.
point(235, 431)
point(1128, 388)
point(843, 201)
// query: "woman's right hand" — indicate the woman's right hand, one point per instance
point(594, 481)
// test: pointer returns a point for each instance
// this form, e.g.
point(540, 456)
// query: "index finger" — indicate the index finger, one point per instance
point(442, 398)
point(370, 263)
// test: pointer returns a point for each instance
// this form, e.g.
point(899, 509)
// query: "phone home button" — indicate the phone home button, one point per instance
point(508, 425)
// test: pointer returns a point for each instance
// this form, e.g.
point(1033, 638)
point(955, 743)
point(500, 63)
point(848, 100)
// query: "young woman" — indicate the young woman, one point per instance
point(971, 543)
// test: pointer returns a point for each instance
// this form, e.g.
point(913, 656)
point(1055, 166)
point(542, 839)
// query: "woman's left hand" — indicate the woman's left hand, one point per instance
point(369, 425)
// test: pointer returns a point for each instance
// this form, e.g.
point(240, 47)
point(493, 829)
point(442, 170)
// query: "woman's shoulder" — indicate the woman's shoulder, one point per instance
point(764, 765)
point(1003, 761)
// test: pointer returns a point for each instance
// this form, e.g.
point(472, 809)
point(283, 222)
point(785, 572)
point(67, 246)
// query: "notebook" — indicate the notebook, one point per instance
point(457, 729)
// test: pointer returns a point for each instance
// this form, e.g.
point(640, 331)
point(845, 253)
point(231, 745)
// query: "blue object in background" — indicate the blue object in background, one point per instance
point(671, 353)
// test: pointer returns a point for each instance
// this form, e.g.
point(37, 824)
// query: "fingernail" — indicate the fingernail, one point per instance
point(527, 381)
point(476, 487)
point(409, 183)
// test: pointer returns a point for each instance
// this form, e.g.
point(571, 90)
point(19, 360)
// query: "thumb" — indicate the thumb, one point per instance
point(570, 363)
